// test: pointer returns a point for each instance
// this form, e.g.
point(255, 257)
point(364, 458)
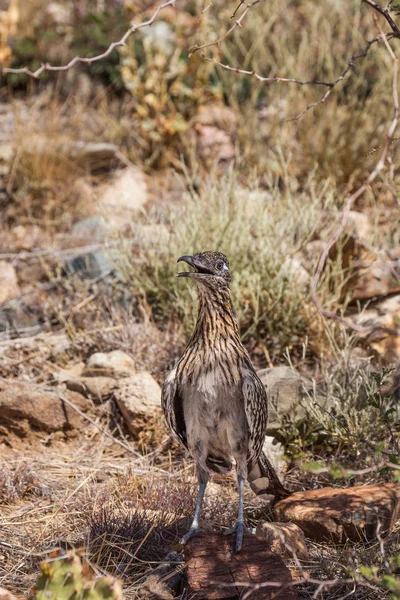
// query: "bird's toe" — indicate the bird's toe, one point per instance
point(189, 534)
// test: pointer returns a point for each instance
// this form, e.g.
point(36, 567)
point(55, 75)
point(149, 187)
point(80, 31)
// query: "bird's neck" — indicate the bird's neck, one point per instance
point(216, 319)
point(215, 353)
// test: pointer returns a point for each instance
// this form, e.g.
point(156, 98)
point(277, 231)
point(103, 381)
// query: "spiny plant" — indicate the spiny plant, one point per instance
point(67, 578)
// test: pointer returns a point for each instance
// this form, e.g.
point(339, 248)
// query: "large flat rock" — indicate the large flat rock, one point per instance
point(340, 514)
point(41, 409)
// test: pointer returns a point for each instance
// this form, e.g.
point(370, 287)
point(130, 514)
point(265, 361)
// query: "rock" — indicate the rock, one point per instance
point(376, 278)
point(123, 197)
point(145, 234)
point(164, 579)
point(275, 452)
point(94, 228)
point(371, 274)
point(26, 237)
point(340, 514)
point(161, 36)
point(287, 396)
point(293, 270)
point(359, 224)
point(90, 265)
point(97, 388)
point(93, 156)
point(215, 127)
point(213, 568)
point(6, 595)
point(214, 143)
point(41, 409)
point(114, 364)
point(386, 314)
point(59, 14)
point(137, 395)
point(8, 282)
point(285, 539)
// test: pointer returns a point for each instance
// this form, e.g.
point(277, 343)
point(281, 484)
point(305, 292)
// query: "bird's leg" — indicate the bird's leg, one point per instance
point(240, 526)
point(203, 480)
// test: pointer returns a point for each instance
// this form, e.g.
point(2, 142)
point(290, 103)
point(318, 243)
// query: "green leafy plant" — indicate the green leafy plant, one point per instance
point(67, 579)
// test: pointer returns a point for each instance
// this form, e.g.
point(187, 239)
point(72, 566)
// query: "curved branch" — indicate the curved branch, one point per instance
point(89, 60)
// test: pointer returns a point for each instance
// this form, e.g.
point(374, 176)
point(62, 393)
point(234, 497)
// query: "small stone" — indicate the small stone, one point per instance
point(285, 539)
point(6, 595)
point(275, 453)
point(385, 314)
point(90, 265)
point(97, 388)
point(137, 395)
point(94, 228)
point(26, 237)
point(371, 274)
point(8, 282)
point(340, 514)
point(293, 270)
point(114, 364)
point(123, 197)
point(359, 224)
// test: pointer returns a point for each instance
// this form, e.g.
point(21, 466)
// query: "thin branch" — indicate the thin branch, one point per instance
point(340, 78)
point(349, 203)
point(237, 23)
point(385, 13)
point(92, 59)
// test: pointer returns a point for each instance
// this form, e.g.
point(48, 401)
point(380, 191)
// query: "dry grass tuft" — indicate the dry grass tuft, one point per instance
point(19, 483)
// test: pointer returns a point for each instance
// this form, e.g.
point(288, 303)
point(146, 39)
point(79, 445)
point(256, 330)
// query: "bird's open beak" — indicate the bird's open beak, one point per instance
point(189, 261)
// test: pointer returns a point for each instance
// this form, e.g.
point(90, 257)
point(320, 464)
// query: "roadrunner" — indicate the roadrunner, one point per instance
point(213, 401)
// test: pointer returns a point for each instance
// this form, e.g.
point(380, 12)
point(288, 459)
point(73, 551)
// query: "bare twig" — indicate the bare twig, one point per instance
point(385, 13)
point(349, 203)
point(329, 84)
point(89, 60)
point(237, 23)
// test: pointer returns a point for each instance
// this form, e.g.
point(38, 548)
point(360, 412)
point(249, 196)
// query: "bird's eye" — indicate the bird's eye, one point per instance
point(220, 266)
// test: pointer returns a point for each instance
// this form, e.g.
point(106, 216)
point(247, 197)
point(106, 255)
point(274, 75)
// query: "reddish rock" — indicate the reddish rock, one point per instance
point(340, 514)
point(385, 314)
point(213, 568)
point(371, 274)
point(285, 539)
point(42, 410)
point(6, 595)
point(8, 282)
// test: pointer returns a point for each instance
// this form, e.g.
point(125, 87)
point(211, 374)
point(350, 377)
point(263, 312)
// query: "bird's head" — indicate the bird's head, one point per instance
point(210, 269)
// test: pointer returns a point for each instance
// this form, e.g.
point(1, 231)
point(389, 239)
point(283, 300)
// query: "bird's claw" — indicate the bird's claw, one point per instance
point(240, 528)
point(189, 534)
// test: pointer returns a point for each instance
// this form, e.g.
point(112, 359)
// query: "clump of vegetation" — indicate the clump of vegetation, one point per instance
point(19, 483)
point(67, 578)
point(258, 230)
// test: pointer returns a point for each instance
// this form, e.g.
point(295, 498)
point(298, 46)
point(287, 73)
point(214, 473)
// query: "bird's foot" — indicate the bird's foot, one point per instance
point(240, 528)
point(194, 529)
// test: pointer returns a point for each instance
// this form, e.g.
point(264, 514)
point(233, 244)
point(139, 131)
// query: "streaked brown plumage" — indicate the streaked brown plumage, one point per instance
point(213, 401)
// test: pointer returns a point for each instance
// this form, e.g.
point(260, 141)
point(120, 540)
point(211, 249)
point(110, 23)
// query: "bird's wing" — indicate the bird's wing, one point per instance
point(172, 406)
point(256, 409)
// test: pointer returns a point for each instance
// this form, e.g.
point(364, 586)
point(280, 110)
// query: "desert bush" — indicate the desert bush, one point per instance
point(19, 483)
point(258, 230)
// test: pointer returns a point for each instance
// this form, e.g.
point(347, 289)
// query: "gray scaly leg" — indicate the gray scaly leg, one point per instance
point(240, 526)
point(203, 480)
